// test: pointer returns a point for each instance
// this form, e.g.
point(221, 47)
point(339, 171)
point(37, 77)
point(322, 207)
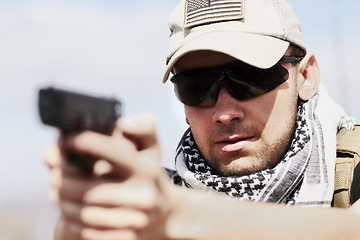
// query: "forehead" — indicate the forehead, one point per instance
point(203, 59)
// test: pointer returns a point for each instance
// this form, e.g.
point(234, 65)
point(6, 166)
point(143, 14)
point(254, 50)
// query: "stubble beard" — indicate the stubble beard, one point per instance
point(242, 162)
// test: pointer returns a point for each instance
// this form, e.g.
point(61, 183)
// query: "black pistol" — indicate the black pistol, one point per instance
point(74, 112)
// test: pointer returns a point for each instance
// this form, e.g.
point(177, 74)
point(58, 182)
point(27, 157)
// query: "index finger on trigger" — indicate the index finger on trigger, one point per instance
point(117, 151)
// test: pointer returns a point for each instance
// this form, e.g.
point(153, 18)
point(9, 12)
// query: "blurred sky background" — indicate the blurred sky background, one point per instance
point(117, 48)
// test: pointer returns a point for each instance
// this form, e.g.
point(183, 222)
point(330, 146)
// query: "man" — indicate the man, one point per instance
point(250, 137)
point(260, 130)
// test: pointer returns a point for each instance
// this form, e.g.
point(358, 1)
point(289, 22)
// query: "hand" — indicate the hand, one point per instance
point(125, 197)
point(355, 208)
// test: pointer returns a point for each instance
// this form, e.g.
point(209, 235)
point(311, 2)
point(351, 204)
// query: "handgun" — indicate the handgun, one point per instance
point(73, 112)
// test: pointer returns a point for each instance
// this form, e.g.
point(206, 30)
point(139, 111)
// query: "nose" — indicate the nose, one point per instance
point(227, 108)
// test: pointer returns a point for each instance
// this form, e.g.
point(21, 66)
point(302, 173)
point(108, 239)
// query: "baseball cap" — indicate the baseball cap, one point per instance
point(257, 32)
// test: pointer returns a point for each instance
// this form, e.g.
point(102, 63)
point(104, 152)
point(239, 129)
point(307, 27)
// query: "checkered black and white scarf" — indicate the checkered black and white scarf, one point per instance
point(304, 176)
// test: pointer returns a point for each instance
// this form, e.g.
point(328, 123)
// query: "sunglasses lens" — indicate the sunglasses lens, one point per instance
point(247, 81)
point(200, 87)
point(192, 87)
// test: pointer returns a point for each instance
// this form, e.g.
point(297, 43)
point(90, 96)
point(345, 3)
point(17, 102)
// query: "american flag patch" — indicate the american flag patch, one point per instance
point(198, 12)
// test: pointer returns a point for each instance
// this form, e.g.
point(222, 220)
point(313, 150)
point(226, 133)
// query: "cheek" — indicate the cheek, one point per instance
point(283, 114)
point(195, 117)
point(199, 121)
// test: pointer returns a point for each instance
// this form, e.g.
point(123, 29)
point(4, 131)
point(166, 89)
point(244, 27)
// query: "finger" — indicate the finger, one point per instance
point(53, 196)
point(97, 234)
point(68, 229)
point(141, 129)
point(99, 191)
point(72, 186)
point(102, 217)
point(114, 217)
point(74, 162)
point(136, 195)
point(52, 156)
point(71, 230)
point(118, 151)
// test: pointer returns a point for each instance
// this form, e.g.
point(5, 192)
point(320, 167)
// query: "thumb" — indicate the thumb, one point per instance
point(141, 131)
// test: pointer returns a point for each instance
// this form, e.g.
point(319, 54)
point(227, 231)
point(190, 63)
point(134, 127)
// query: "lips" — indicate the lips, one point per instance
point(234, 143)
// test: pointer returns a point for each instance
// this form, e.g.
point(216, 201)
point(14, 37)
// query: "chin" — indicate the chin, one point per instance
point(240, 167)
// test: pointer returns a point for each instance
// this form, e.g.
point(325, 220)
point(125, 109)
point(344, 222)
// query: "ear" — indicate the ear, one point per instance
point(310, 77)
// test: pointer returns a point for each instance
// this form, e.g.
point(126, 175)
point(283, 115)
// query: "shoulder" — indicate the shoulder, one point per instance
point(347, 170)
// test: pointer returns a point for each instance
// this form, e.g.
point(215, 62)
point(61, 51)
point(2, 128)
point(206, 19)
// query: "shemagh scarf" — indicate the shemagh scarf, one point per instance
point(304, 176)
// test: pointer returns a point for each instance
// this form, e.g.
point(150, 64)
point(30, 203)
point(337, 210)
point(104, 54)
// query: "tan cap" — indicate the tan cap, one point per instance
point(257, 32)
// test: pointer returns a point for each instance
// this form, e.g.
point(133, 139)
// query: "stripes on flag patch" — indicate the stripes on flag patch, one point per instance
point(198, 12)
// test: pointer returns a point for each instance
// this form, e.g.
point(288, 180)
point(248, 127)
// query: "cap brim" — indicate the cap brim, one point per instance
point(256, 50)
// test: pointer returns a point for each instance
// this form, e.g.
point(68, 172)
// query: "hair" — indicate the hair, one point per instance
point(297, 52)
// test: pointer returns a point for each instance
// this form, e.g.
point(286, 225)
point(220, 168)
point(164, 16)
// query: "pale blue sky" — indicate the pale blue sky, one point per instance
point(118, 48)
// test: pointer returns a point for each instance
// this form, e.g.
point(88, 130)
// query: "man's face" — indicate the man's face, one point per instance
point(239, 137)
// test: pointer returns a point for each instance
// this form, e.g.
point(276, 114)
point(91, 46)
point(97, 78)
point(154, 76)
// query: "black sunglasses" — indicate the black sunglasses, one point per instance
point(200, 87)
